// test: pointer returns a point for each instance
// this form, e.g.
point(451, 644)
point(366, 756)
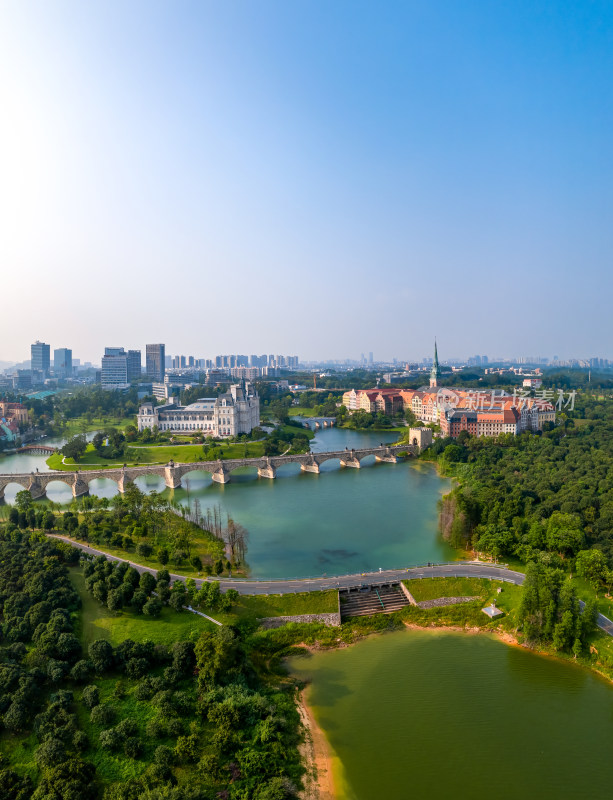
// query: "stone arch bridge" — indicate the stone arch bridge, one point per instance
point(220, 471)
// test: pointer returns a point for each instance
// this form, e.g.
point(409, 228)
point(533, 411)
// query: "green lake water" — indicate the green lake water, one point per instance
point(300, 524)
point(448, 715)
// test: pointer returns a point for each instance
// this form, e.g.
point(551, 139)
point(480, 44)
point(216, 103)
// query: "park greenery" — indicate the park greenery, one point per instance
point(135, 719)
point(536, 495)
point(145, 528)
point(115, 447)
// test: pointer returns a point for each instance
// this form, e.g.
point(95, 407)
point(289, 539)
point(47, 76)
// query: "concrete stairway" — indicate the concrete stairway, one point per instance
point(375, 601)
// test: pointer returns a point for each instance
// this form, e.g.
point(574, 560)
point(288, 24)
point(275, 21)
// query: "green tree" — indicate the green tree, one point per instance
point(101, 655)
point(75, 447)
point(592, 565)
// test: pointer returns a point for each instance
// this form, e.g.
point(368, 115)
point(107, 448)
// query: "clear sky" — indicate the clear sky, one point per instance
point(320, 178)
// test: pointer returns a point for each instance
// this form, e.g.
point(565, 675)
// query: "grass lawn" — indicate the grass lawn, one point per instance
point(302, 411)
point(84, 425)
point(297, 431)
point(138, 455)
point(18, 750)
point(286, 605)
point(97, 622)
point(433, 588)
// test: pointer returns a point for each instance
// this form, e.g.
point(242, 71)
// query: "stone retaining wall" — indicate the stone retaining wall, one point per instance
point(332, 620)
point(445, 601)
point(408, 594)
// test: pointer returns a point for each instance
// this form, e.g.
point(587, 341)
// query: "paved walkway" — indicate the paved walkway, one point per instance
point(459, 569)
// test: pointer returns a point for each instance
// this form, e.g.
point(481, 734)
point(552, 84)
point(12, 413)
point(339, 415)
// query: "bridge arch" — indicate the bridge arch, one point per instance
point(106, 486)
point(10, 487)
point(242, 473)
point(196, 477)
point(150, 483)
point(59, 490)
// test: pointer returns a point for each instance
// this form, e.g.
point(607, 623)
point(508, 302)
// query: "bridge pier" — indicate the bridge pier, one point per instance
point(387, 456)
point(79, 487)
point(36, 489)
point(310, 466)
point(267, 470)
point(221, 474)
point(2, 488)
point(173, 481)
point(351, 460)
point(123, 483)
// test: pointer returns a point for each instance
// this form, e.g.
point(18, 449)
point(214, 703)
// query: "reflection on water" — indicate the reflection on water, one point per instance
point(342, 520)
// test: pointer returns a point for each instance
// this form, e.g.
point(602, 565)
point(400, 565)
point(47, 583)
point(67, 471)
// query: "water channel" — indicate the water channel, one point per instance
point(342, 520)
point(438, 714)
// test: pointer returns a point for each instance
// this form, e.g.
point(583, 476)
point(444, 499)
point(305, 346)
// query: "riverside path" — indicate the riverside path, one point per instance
point(457, 569)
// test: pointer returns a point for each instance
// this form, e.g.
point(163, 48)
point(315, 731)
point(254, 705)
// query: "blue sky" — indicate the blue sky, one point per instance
point(321, 178)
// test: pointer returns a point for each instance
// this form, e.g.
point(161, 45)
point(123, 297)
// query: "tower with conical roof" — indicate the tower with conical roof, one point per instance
point(435, 372)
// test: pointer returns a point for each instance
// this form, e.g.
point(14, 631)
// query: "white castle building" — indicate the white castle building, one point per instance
point(236, 411)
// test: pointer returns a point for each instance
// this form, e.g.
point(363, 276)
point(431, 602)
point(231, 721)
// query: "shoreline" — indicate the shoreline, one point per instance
point(317, 755)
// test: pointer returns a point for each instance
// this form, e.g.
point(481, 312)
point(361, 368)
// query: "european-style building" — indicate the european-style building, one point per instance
point(236, 411)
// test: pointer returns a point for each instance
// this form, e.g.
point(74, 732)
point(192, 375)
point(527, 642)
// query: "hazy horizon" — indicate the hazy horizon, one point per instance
point(307, 178)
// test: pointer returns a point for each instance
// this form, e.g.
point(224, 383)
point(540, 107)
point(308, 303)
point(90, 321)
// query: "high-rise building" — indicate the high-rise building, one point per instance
point(62, 362)
point(114, 372)
point(41, 358)
point(155, 360)
point(119, 368)
point(135, 369)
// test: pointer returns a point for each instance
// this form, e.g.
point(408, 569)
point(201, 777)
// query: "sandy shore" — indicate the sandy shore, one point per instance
point(319, 781)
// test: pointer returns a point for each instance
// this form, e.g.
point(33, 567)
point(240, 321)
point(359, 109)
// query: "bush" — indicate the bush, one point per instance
point(178, 557)
point(101, 654)
point(102, 714)
point(144, 690)
point(139, 598)
point(133, 747)
point(175, 726)
point(127, 727)
point(163, 756)
point(51, 753)
point(177, 601)
point(15, 718)
point(91, 696)
point(152, 608)
point(82, 670)
point(137, 667)
point(110, 739)
point(187, 749)
point(156, 728)
point(147, 582)
point(144, 549)
point(80, 742)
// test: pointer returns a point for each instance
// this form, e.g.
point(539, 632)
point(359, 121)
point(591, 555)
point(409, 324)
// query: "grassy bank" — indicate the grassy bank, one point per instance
point(97, 622)
point(286, 605)
point(207, 547)
point(432, 588)
point(140, 455)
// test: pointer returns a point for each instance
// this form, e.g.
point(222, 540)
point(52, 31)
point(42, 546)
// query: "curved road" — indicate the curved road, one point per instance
point(459, 569)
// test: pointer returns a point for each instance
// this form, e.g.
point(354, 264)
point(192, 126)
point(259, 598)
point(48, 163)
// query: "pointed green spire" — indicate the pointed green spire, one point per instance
point(435, 372)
